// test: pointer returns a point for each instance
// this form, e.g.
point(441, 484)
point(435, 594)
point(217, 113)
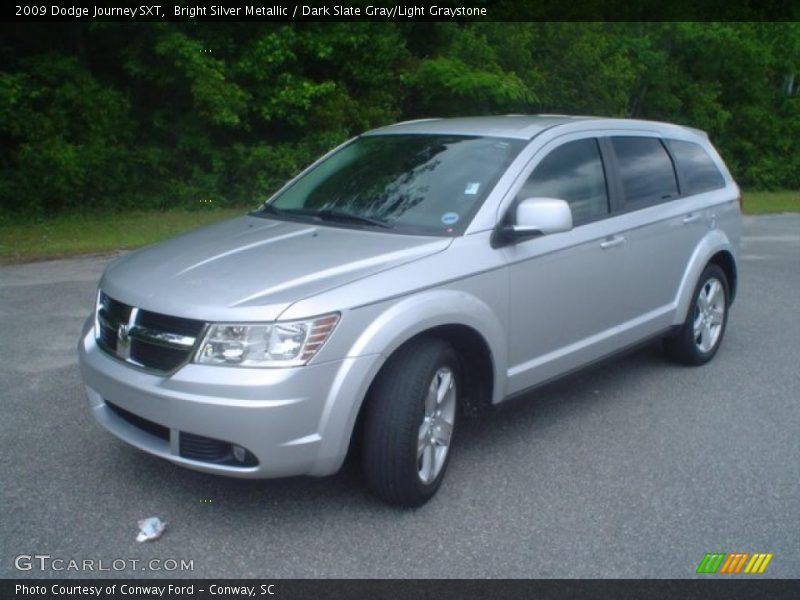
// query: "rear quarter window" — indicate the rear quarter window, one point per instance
point(646, 171)
point(698, 171)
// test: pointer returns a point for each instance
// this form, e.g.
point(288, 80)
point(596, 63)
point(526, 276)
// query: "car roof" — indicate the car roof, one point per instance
point(513, 126)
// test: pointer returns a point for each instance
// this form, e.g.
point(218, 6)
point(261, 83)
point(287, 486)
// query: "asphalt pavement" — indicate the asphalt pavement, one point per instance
point(635, 468)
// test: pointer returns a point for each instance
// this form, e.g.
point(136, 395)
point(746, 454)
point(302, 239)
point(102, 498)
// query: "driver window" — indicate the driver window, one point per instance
point(572, 172)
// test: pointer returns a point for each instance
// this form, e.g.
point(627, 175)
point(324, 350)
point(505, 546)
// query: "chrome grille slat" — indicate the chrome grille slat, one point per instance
point(162, 338)
point(145, 339)
point(106, 321)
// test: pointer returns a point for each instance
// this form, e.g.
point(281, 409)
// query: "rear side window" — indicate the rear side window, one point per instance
point(646, 171)
point(698, 171)
point(572, 172)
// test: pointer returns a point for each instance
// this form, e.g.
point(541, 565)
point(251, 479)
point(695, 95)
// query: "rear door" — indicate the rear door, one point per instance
point(663, 227)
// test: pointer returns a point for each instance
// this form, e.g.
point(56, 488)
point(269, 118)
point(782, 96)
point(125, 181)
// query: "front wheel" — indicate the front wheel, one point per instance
point(701, 334)
point(409, 422)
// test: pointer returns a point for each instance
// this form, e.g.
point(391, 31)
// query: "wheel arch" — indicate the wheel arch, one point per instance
point(476, 356)
point(464, 320)
point(725, 261)
point(715, 248)
point(461, 319)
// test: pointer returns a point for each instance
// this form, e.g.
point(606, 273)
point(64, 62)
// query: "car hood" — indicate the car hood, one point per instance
point(252, 268)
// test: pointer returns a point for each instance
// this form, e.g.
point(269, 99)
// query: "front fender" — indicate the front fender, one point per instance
point(714, 241)
point(393, 326)
point(421, 312)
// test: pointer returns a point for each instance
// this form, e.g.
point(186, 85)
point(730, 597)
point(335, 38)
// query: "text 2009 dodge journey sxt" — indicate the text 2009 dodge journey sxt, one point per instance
point(413, 269)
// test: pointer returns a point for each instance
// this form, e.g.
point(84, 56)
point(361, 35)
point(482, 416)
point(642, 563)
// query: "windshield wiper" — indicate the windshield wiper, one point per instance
point(331, 214)
point(325, 214)
point(267, 208)
point(270, 209)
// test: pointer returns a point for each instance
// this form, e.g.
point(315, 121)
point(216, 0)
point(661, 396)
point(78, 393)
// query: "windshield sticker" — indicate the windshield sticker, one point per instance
point(472, 189)
point(450, 218)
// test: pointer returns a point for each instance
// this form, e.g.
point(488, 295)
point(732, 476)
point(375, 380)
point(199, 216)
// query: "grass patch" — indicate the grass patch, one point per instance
point(69, 235)
point(760, 203)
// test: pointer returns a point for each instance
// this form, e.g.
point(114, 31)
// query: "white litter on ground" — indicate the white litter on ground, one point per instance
point(150, 529)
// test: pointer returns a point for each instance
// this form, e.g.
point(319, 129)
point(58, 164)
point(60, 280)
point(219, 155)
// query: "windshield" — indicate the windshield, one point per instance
point(421, 184)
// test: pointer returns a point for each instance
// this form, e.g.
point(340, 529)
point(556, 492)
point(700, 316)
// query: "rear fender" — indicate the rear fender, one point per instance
point(714, 241)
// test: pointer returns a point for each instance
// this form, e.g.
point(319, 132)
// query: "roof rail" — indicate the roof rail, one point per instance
point(418, 121)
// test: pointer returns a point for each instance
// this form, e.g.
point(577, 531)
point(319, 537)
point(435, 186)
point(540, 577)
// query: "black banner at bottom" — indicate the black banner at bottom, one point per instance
point(342, 589)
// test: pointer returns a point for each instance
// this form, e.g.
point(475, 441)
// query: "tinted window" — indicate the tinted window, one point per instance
point(699, 172)
point(572, 172)
point(646, 170)
point(430, 184)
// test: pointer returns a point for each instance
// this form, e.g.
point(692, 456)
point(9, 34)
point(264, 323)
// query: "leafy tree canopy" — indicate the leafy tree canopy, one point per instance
point(166, 114)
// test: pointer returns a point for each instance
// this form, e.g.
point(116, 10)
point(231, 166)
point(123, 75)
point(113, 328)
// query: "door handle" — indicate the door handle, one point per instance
point(611, 243)
point(691, 219)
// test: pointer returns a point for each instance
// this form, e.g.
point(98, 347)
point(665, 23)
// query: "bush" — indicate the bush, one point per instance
point(161, 115)
point(70, 137)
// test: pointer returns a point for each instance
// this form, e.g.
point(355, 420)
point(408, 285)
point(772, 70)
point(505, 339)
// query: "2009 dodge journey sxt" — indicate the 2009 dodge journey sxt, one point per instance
point(413, 269)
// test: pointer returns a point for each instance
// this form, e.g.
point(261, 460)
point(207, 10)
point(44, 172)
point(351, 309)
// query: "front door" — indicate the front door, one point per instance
point(564, 287)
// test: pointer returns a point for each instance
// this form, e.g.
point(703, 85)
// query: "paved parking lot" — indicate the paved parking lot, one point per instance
point(636, 468)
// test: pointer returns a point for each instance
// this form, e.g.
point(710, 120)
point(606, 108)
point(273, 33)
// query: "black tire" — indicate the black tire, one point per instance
point(683, 346)
point(393, 417)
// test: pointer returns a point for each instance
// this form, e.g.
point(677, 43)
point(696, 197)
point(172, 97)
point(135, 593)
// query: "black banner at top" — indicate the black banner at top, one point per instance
point(406, 11)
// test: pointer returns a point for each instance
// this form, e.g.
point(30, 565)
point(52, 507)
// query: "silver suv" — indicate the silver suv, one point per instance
point(415, 268)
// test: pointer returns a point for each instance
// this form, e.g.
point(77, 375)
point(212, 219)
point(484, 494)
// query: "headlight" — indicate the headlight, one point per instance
point(281, 344)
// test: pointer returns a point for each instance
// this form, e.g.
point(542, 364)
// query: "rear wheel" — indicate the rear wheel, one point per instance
point(701, 334)
point(409, 422)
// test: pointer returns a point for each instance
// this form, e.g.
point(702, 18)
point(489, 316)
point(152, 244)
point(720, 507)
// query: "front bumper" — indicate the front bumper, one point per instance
point(293, 421)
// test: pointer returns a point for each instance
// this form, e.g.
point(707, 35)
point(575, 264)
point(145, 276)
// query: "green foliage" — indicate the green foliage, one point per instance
point(215, 98)
point(447, 87)
point(160, 115)
point(65, 137)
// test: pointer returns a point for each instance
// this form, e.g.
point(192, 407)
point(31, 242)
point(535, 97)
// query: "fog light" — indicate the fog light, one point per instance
point(239, 453)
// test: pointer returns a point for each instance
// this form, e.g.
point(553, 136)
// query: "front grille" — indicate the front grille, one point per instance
point(144, 338)
point(108, 338)
point(177, 325)
point(157, 357)
point(113, 314)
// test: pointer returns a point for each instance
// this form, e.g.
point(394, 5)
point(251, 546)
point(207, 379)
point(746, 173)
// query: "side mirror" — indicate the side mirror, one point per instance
point(535, 217)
